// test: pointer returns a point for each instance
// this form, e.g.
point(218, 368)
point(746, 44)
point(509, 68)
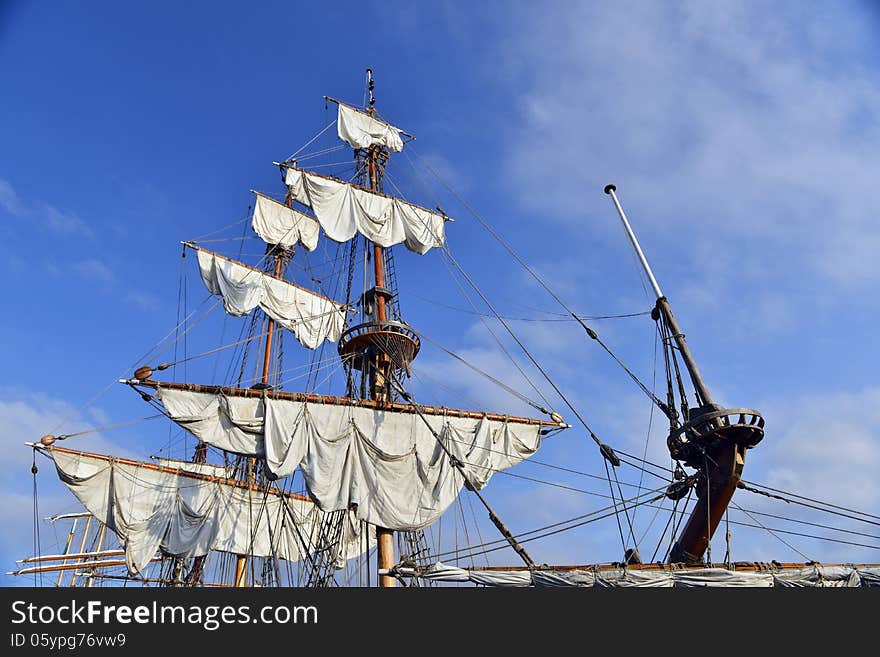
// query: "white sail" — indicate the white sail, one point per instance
point(388, 463)
point(276, 223)
point(186, 515)
point(311, 317)
point(360, 130)
point(343, 210)
point(815, 575)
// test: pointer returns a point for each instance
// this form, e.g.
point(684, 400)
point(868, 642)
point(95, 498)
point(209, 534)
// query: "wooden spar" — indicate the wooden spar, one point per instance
point(82, 546)
point(70, 566)
point(267, 352)
point(74, 555)
point(182, 473)
point(241, 559)
point(379, 373)
point(713, 498)
point(66, 551)
point(98, 547)
point(66, 516)
point(379, 405)
point(240, 571)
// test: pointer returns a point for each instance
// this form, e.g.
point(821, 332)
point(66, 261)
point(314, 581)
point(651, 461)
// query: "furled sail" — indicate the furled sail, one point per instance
point(343, 210)
point(360, 130)
point(276, 223)
point(311, 317)
point(184, 514)
point(387, 462)
point(810, 575)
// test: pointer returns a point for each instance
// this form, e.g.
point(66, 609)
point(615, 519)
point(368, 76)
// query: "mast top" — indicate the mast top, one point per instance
point(371, 108)
point(610, 189)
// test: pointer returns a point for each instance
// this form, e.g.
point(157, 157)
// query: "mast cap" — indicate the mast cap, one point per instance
point(610, 187)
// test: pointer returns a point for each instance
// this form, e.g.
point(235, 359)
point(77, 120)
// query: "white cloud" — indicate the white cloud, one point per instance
point(61, 222)
point(26, 417)
point(95, 270)
point(144, 300)
point(43, 215)
point(9, 199)
point(752, 126)
point(825, 446)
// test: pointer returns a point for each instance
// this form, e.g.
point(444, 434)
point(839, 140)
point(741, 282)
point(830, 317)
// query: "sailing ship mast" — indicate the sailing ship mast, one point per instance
point(379, 374)
point(712, 439)
point(278, 255)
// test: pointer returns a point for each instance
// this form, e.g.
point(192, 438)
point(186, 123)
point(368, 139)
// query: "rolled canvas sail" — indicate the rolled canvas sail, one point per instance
point(814, 575)
point(360, 130)
point(276, 223)
point(184, 515)
point(344, 210)
point(386, 463)
point(311, 317)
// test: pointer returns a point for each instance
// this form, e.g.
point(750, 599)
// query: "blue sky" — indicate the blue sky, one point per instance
point(743, 138)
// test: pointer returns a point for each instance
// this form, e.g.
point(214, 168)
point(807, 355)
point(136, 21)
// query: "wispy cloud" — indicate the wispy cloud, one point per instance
point(144, 300)
point(102, 275)
point(62, 223)
point(95, 270)
point(9, 199)
point(25, 417)
point(43, 215)
point(752, 125)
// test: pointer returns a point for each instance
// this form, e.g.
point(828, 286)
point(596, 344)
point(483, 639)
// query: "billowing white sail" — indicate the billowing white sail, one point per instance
point(276, 223)
point(386, 462)
point(360, 130)
point(343, 210)
point(186, 515)
point(311, 317)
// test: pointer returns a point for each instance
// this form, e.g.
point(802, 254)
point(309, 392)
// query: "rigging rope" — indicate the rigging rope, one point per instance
point(311, 141)
point(511, 540)
point(834, 506)
point(489, 328)
point(34, 471)
point(544, 285)
point(607, 452)
point(108, 427)
point(593, 516)
point(563, 318)
point(491, 378)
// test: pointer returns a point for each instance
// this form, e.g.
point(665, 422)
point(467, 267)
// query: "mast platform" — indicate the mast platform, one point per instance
point(710, 427)
point(360, 344)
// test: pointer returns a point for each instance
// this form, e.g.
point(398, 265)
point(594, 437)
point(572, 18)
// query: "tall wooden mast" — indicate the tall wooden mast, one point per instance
point(713, 440)
point(379, 372)
point(277, 252)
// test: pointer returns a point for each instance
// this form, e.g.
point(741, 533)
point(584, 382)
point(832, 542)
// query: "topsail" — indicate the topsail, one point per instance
point(311, 317)
point(343, 210)
point(361, 130)
point(276, 223)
